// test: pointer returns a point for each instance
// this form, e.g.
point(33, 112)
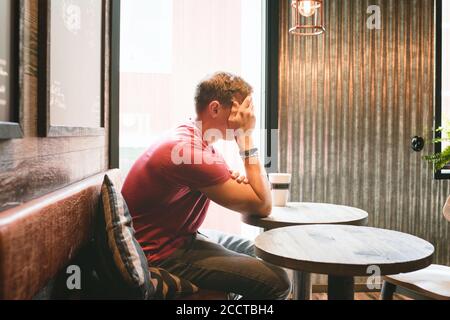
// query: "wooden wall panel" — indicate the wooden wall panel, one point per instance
point(34, 166)
point(350, 102)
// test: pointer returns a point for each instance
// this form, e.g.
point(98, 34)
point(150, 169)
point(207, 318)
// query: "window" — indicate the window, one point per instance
point(10, 127)
point(167, 47)
point(442, 116)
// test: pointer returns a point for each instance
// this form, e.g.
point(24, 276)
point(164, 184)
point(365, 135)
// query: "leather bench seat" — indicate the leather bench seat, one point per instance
point(40, 239)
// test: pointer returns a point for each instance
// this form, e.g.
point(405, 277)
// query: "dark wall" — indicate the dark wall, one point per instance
point(34, 166)
point(350, 102)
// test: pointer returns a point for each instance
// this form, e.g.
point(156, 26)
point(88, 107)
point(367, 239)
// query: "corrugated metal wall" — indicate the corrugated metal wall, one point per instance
point(350, 101)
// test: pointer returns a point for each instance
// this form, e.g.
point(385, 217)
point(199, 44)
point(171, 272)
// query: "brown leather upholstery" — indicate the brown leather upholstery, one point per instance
point(41, 237)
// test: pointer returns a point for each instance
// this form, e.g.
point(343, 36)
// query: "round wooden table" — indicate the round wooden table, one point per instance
point(344, 252)
point(299, 214)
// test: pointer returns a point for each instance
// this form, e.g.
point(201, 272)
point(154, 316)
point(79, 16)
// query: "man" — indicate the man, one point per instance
point(169, 189)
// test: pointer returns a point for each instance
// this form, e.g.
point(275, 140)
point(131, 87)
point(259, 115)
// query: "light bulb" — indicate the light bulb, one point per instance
point(308, 8)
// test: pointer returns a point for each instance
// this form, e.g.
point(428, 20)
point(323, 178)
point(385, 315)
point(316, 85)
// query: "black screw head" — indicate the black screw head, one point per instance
point(418, 143)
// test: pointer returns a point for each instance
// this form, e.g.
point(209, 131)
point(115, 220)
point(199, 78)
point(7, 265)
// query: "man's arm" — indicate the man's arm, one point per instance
point(253, 198)
point(447, 209)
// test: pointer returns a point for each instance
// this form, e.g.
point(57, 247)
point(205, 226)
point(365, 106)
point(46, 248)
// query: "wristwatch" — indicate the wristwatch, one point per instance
point(249, 153)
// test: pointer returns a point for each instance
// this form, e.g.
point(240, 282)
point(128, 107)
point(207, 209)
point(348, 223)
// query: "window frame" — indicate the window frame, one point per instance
point(45, 128)
point(114, 89)
point(271, 18)
point(272, 40)
point(439, 175)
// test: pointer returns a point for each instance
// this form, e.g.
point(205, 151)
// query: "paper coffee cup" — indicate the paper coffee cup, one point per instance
point(280, 183)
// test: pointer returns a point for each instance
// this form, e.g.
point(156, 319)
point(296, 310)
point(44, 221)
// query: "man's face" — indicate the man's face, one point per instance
point(228, 110)
point(221, 114)
point(222, 122)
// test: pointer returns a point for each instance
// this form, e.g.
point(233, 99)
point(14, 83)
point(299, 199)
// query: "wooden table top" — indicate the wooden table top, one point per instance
point(343, 250)
point(296, 214)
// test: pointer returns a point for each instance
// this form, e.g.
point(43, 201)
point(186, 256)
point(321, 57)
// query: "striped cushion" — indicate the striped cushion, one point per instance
point(169, 286)
point(122, 265)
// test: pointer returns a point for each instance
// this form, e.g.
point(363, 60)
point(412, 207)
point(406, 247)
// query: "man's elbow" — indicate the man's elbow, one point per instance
point(263, 210)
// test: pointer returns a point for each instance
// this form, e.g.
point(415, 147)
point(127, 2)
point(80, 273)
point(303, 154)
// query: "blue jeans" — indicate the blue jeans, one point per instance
point(219, 262)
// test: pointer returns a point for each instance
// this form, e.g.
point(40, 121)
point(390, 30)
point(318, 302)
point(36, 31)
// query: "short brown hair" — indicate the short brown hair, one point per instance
point(223, 87)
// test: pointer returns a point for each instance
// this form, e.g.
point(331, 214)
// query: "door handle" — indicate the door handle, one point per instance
point(417, 143)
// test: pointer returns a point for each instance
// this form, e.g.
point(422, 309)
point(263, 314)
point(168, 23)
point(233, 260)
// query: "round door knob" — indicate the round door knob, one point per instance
point(418, 143)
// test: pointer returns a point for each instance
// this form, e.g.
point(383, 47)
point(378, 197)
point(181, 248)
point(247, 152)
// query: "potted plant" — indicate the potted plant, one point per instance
point(442, 159)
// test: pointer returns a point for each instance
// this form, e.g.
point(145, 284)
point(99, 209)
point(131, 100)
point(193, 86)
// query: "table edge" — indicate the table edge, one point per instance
point(265, 224)
point(337, 269)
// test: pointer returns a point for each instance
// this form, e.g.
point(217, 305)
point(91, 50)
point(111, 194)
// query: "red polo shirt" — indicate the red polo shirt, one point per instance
point(162, 194)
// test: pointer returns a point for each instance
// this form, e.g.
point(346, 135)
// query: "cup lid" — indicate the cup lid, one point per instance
point(280, 177)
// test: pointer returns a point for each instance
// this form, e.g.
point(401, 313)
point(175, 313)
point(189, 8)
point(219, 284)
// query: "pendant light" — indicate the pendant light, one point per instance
point(307, 17)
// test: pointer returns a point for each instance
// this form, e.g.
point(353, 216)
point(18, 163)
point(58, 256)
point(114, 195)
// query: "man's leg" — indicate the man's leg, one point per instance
point(230, 242)
point(211, 266)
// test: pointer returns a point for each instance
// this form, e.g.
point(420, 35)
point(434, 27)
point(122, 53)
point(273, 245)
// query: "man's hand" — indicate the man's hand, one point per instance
point(242, 120)
point(248, 195)
point(242, 117)
point(236, 176)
